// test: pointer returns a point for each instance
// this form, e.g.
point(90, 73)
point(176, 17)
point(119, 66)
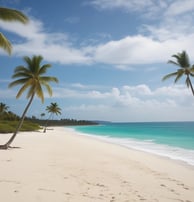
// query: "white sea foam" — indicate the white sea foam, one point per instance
point(150, 146)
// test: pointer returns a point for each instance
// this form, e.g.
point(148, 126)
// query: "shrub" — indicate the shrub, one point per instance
point(10, 126)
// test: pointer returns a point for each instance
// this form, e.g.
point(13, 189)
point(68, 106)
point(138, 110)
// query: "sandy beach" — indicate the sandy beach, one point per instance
point(64, 167)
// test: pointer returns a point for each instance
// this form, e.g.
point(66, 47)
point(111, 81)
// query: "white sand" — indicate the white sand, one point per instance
point(60, 166)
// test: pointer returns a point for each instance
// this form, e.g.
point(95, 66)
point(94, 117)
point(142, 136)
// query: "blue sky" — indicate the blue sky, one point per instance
point(109, 56)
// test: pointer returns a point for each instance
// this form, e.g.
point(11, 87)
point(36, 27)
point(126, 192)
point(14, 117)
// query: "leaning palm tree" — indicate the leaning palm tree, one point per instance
point(52, 109)
point(182, 61)
point(31, 77)
point(7, 14)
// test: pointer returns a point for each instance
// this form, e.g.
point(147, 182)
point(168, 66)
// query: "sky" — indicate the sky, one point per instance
point(109, 56)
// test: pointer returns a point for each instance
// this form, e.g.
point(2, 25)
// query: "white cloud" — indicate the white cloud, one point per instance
point(173, 91)
point(129, 5)
point(180, 7)
point(80, 94)
point(30, 31)
point(141, 50)
point(127, 96)
point(140, 92)
point(155, 44)
point(54, 47)
point(137, 103)
point(150, 8)
point(127, 103)
point(172, 32)
point(139, 89)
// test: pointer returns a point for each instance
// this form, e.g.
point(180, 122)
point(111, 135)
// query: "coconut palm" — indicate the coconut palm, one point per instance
point(3, 109)
point(31, 77)
point(53, 109)
point(7, 14)
point(42, 115)
point(182, 61)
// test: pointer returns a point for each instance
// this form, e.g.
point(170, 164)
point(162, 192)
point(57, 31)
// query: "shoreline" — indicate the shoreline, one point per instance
point(60, 165)
point(160, 150)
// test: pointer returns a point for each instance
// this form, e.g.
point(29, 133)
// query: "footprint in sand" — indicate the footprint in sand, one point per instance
point(47, 190)
point(183, 186)
point(10, 181)
point(169, 189)
point(100, 185)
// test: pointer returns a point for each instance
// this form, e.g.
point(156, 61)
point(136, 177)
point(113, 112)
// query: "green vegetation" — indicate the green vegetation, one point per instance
point(7, 14)
point(32, 78)
point(3, 108)
point(63, 122)
point(185, 68)
point(52, 109)
point(9, 121)
point(10, 126)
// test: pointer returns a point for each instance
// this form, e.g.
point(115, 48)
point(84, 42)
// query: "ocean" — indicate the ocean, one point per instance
point(174, 140)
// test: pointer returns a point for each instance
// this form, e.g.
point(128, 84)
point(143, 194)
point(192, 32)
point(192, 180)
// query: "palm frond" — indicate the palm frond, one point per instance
point(39, 92)
point(21, 74)
point(8, 14)
point(37, 59)
point(5, 44)
point(48, 79)
point(20, 68)
point(192, 70)
point(22, 89)
point(31, 91)
point(182, 60)
point(179, 75)
point(27, 60)
point(31, 79)
point(58, 111)
point(53, 108)
point(44, 68)
point(173, 62)
point(169, 76)
point(18, 82)
point(49, 90)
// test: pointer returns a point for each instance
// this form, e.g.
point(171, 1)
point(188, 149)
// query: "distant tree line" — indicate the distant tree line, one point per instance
point(62, 122)
point(6, 115)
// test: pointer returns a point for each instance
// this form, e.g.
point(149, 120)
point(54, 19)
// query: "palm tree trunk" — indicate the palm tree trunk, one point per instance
point(46, 124)
point(191, 86)
point(7, 145)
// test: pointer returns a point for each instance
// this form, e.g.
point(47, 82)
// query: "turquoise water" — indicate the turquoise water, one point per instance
point(171, 139)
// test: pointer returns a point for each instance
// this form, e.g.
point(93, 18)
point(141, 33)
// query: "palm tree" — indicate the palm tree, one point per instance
point(7, 14)
point(3, 109)
point(31, 77)
point(42, 115)
point(182, 61)
point(52, 109)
